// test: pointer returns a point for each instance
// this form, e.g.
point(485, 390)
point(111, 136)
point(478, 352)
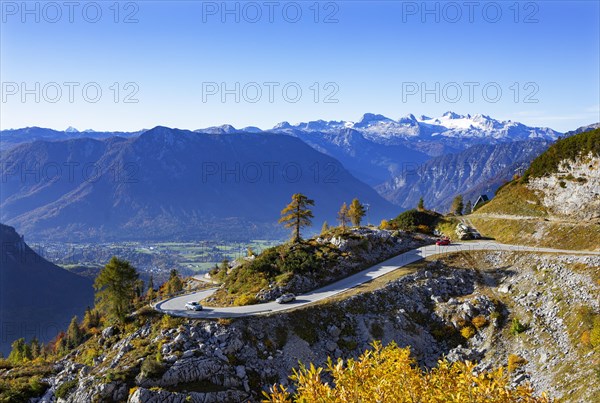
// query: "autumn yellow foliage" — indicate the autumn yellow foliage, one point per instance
point(389, 374)
point(515, 361)
point(479, 321)
point(467, 332)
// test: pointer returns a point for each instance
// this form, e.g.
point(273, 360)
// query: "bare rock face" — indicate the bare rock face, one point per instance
point(142, 395)
point(574, 191)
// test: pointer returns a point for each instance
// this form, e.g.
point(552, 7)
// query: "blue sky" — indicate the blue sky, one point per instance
point(178, 59)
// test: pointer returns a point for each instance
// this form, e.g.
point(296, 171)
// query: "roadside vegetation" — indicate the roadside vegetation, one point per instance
point(389, 374)
point(312, 262)
point(549, 234)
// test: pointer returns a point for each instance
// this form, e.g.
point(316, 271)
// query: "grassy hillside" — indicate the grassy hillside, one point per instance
point(514, 198)
point(520, 214)
point(550, 234)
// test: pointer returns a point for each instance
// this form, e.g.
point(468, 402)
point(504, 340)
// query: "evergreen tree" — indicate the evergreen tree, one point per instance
point(297, 215)
point(468, 208)
point(74, 334)
point(421, 205)
point(343, 216)
point(324, 228)
point(115, 289)
point(457, 205)
point(356, 212)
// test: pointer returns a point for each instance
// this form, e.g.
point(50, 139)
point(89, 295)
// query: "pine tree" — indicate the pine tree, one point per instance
point(324, 228)
point(468, 208)
point(343, 217)
point(356, 212)
point(297, 215)
point(421, 205)
point(115, 289)
point(457, 205)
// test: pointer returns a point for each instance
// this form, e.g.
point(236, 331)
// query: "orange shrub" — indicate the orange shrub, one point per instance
point(479, 321)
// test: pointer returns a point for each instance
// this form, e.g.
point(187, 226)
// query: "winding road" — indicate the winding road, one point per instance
point(176, 306)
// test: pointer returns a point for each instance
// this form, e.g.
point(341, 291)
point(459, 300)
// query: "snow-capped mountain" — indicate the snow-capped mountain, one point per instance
point(450, 125)
point(376, 148)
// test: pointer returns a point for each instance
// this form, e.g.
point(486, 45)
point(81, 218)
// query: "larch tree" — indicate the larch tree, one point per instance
point(297, 215)
point(74, 333)
point(356, 212)
point(174, 284)
point(115, 289)
point(343, 216)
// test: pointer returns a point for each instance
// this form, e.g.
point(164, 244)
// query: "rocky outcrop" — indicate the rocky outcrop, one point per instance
point(359, 247)
point(207, 361)
point(572, 192)
point(142, 395)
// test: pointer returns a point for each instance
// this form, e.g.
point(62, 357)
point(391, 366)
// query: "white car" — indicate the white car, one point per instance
point(285, 298)
point(193, 306)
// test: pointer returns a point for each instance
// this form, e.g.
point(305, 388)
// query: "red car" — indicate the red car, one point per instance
point(443, 241)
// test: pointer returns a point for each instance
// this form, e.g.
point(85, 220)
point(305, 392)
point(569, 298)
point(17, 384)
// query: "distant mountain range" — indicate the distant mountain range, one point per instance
point(37, 298)
point(171, 184)
point(12, 137)
point(161, 192)
point(450, 125)
point(377, 128)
